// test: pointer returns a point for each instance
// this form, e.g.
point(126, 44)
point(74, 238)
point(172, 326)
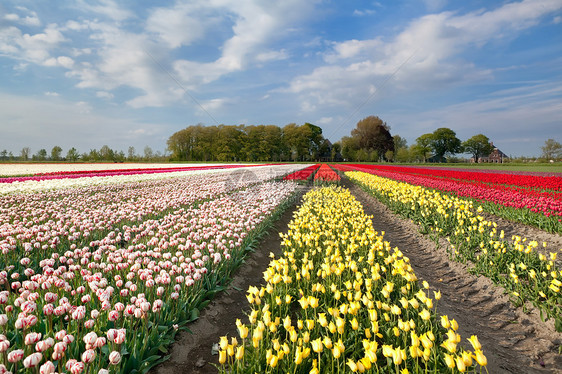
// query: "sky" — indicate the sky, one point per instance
point(88, 73)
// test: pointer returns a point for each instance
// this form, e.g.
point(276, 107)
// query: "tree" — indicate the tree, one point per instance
point(336, 151)
point(148, 153)
point(551, 150)
point(444, 141)
point(72, 155)
point(373, 134)
point(478, 146)
point(131, 153)
point(423, 146)
point(25, 153)
point(4, 154)
point(399, 142)
point(41, 155)
point(55, 153)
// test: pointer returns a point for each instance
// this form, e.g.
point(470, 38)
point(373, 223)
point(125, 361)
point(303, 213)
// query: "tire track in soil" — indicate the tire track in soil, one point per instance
point(513, 341)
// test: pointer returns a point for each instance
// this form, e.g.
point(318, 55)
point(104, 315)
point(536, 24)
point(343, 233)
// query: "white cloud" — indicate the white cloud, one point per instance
point(49, 93)
point(33, 48)
point(514, 109)
point(107, 8)
point(435, 5)
point(63, 61)
point(364, 12)
point(104, 95)
point(424, 55)
point(31, 19)
point(181, 24)
point(272, 56)
point(255, 27)
point(36, 122)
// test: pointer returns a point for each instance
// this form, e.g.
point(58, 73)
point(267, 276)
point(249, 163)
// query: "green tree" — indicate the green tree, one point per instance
point(336, 151)
point(131, 153)
point(551, 150)
point(349, 148)
point(478, 146)
point(4, 154)
point(56, 153)
point(423, 146)
point(72, 155)
point(444, 142)
point(148, 153)
point(106, 154)
point(24, 153)
point(399, 142)
point(41, 155)
point(373, 134)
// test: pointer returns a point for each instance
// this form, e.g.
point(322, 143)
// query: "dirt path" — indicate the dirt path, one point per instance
point(513, 341)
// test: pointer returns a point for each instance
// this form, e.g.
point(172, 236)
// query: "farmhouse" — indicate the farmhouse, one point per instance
point(497, 156)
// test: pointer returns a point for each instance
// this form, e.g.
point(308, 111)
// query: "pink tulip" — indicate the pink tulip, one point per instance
point(15, 355)
point(32, 360)
point(114, 358)
point(32, 338)
point(88, 356)
point(47, 368)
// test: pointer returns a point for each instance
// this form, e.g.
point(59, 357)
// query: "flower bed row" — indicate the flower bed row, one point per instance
point(37, 225)
point(302, 175)
point(109, 173)
point(114, 303)
point(326, 174)
point(541, 211)
point(542, 182)
point(517, 265)
point(341, 299)
point(34, 184)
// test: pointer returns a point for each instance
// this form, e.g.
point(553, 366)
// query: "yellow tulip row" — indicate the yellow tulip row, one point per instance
point(525, 272)
point(340, 299)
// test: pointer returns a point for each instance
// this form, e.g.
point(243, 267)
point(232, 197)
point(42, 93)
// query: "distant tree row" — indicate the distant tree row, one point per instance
point(104, 154)
point(249, 143)
point(371, 141)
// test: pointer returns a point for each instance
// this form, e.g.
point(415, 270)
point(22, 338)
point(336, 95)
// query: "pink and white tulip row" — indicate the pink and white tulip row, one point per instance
point(42, 223)
point(15, 169)
point(106, 304)
point(26, 185)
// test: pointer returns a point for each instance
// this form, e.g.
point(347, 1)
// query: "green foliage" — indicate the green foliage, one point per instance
point(249, 143)
point(444, 141)
point(551, 150)
point(478, 146)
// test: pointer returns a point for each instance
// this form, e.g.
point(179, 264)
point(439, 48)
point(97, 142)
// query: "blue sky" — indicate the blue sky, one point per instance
point(83, 74)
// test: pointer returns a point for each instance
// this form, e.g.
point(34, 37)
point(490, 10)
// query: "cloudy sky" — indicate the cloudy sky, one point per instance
point(87, 73)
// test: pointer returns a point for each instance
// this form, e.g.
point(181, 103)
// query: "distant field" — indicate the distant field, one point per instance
point(13, 169)
point(542, 168)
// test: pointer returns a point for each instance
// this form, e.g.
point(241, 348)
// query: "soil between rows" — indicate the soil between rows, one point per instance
point(513, 342)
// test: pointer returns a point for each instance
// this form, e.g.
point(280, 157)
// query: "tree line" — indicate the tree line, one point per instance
point(249, 143)
point(104, 154)
point(369, 141)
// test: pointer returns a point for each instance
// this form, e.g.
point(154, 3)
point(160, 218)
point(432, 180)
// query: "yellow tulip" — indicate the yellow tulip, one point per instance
point(480, 358)
point(475, 343)
point(222, 356)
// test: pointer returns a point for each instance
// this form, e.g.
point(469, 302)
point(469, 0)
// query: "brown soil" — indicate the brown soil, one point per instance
point(513, 342)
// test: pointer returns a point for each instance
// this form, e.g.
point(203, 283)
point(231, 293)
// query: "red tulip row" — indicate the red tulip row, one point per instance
point(326, 174)
point(302, 175)
point(545, 182)
point(497, 194)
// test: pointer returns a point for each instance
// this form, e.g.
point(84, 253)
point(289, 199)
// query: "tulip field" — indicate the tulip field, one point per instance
point(98, 272)
point(102, 265)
